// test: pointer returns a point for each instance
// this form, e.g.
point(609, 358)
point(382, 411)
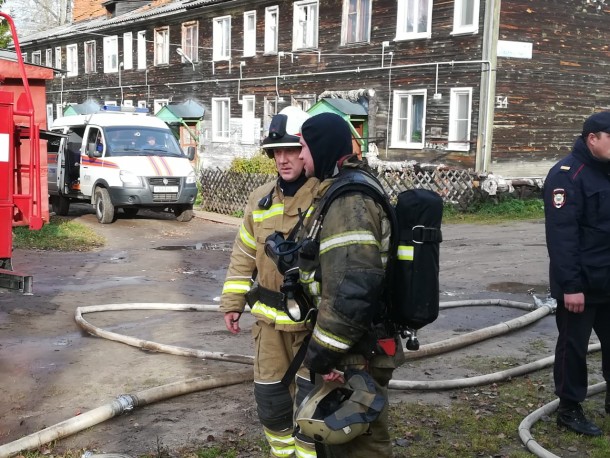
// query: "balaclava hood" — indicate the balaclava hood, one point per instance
point(329, 139)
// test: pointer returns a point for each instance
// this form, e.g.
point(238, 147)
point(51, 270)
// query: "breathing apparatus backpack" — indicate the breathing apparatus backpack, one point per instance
point(412, 269)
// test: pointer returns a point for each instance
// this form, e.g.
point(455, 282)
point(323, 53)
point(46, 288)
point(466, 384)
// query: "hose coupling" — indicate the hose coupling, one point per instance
point(546, 301)
point(126, 402)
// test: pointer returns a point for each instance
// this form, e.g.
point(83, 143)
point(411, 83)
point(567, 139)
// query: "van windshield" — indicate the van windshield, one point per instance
point(141, 141)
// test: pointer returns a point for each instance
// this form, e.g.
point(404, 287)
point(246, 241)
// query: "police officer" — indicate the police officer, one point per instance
point(577, 210)
point(275, 206)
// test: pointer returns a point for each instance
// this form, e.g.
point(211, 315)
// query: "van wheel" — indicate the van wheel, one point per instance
point(184, 213)
point(104, 210)
point(130, 212)
point(60, 205)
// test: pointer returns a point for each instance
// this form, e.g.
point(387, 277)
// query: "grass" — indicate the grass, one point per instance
point(492, 212)
point(60, 234)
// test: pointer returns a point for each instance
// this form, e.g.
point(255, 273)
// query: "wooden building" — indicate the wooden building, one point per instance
point(497, 86)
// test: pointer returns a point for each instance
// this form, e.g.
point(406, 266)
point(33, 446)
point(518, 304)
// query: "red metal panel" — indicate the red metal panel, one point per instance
point(6, 174)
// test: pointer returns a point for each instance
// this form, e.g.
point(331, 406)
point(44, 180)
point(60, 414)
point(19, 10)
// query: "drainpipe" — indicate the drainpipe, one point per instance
point(488, 85)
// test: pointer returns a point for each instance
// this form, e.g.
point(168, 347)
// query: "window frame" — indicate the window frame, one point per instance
point(272, 25)
point(363, 36)
point(141, 37)
point(398, 96)
point(127, 51)
point(402, 18)
point(111, 50)
point(221, 38)
point(58, 57)
point(470, 28)
point(72, 60)
point(224, 104)
point(161, 41)
point(453, 143)
point(249, 34)
point(305, 32)
point(48, 59)
point(247, 117)
point(90, 56)
point(190, 50)
point(37, 56)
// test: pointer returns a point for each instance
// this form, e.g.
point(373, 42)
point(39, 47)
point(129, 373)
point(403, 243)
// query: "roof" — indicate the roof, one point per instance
point(87, 107)
point(345, 106)
point(185, 110)
point(102, 22)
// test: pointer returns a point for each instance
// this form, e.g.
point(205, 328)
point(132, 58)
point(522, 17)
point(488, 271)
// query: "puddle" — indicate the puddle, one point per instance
point(517, 287)
point(209, 246)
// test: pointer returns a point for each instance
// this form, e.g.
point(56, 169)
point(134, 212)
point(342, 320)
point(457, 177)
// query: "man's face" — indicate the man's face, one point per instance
point(288, 163)
point(307, 159)
point(599, 145)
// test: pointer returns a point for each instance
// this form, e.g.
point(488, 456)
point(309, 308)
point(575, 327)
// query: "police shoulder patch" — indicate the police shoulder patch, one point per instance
point(559, 197)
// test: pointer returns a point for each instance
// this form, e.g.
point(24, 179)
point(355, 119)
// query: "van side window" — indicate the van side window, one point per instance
point(95, 140)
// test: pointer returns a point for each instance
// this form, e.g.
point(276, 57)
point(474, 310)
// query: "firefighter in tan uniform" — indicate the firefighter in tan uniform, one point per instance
point(254, 278)
point(345, 277)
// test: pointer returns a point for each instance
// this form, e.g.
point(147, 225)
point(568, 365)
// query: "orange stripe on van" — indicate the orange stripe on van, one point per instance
point(154, 165)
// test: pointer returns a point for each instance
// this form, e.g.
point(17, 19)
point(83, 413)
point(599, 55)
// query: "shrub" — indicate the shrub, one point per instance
point(259, 163)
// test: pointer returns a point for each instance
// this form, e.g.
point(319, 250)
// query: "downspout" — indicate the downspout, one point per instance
point(488, 85)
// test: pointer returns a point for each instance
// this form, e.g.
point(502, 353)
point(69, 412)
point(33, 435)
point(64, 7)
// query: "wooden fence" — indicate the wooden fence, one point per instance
point(227, 192)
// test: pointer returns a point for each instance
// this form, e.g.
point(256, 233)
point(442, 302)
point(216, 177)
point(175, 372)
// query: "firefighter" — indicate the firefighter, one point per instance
point(275, 206)
point(345, 277)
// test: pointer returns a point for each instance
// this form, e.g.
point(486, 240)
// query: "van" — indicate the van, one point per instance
point(120, 160)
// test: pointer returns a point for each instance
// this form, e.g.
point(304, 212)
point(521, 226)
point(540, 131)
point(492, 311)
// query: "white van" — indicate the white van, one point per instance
point(119, 159)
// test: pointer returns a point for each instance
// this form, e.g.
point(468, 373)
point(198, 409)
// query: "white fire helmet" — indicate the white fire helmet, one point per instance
point(335, 413)
point(285, 129)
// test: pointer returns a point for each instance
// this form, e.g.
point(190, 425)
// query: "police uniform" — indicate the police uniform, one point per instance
point(345, 280)
point(277, 338)
point(577, 210)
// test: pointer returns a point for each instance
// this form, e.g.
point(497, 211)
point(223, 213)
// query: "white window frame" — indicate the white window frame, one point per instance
point(459, 144)
point(461, 24)
point(37, 57)
point(161, 35)
point(50, 117)
point(60, 109)
point(401, 97)
point(412, 7)
point(90, 56)
point(127, 50)
point(272, 21)
point(58, 57)
point(48, 61)
point(72, 60)
point(305, 24)
point(249, 33)
point(111, 54)
point(110, 103)
point(158, 104)
point(248, 104)
point(221, 38)
point(142, 104)
point(358, 17)
point(190, 41)
point(127, 103)
point(303, 102)
point(142, 50)
point(221, 119)
point(269, 111)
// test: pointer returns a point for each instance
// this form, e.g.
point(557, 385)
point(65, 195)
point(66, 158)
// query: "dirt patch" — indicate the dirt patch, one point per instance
point(50, 370)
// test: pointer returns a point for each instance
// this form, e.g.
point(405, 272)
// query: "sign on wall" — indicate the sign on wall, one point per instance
point(515, 49)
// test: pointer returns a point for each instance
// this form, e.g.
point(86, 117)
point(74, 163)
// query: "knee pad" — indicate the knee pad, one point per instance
point(304, 386)
point(274, 405)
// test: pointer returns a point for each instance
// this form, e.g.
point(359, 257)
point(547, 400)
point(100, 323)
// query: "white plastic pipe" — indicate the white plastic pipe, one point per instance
point(118, 406)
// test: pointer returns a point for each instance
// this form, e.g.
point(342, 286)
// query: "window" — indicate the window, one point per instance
point(58, 57)
point(36, 58)
point(460, 110)
point(60, 110)
point(356, 21)
point(269, 111)
point(111, 54)
point(304, 102)
point(222, 38)
point(141, 50)
point(220, 119)
point(24, 56)
point(128, 103)
point(190, 41)
point(271, 29)
point(466, 16)
point(89, 56)
point(408, 120)
point(305, 26)
point(127, 51)
point(72, 60)
point(48, 61)
point(247, 116)
point(414, 19)
point(249, 33)
point(110, 103)
point(142, 104)
point(158, 104)
point(50, 117)
point(162, 46)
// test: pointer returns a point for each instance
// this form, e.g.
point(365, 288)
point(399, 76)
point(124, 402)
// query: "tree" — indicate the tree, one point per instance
point(37, 15)
point(5, 32)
